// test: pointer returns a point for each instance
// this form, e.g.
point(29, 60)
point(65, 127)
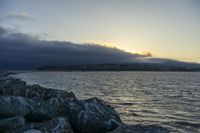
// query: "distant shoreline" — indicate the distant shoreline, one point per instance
point(109, 71)
point(106, 71)
point(123, 67)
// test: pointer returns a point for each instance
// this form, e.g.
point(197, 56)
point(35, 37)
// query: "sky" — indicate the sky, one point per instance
point(164, 28)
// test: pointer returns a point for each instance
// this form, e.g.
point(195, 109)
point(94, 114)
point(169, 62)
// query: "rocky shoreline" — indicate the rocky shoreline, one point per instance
point(35, 109)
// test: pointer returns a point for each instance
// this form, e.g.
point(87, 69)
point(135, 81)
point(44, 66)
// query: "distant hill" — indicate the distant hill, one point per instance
point(176, 66)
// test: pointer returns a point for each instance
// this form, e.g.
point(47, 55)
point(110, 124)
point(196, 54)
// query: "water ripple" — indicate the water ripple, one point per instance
point(170, 99)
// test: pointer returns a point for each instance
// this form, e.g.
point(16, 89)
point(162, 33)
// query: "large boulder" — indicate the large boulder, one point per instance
point(140, 129)
point(12, 87)
point(13, 106)
point(32, 131)
point(56, 98)
point(12, 123)
point(52, 97)
point(92, 116)
point(36, 91)
point(27, 128)
point(56, 125)
point(16, 87)
point(33, 111)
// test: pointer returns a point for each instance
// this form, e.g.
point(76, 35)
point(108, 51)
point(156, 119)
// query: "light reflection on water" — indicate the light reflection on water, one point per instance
point(170, 99)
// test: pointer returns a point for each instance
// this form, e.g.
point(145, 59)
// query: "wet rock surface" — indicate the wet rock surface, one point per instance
point(57, 125)
point(95, 113)
point(12, 123)
point(34, 109)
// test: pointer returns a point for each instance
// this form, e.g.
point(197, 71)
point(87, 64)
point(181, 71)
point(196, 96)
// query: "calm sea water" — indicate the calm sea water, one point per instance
point(170, 99)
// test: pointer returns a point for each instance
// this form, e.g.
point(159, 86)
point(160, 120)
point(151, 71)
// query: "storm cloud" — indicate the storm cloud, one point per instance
point(22, 51)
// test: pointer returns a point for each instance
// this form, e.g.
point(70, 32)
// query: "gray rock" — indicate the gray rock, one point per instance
point(12, 87)
point(15, 87)
point(12, 123)
point(58, 98)
point(57, 125)
point(28, 127)
point(32, 131)
point(12, 83)
point(93, 116)
point(140, 129)
point(13, 106)
point(33, 111)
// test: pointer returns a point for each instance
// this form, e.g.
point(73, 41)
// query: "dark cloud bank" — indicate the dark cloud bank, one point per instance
point(21, 51)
